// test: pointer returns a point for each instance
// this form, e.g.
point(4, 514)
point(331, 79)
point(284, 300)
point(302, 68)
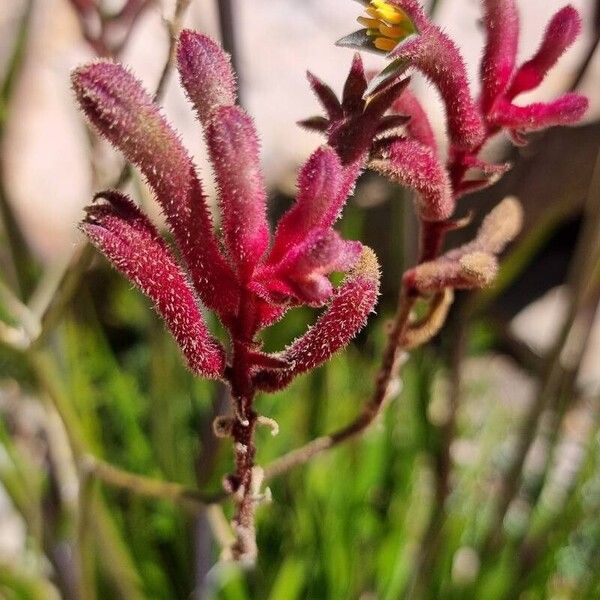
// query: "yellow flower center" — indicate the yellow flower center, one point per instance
point(386, 24)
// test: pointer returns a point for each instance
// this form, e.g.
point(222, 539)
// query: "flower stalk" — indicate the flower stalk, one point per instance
point(249, 275)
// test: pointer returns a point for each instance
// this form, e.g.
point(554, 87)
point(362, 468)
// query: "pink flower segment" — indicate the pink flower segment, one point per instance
point(249, 276)
point(503, 81)
point(402, 31)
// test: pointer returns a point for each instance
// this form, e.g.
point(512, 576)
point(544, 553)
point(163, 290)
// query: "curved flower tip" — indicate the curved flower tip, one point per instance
point(566, 110)
point(118, 106)
point(418, 128)
point(306, 267)
point(347, 314)
point(206, 73)
point(124, 234)
point(234, 150)
point(473, 265)
point(318, 202)
point(410, 163)
point(562, 31)
point(501, 22)
point(326, 96)
point(355, 86)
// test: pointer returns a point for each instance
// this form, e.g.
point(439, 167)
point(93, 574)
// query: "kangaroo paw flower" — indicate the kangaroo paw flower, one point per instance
point(502, 81)
point(345, 316)
point(473, 265)
point(234, 151)
point(123, 112)
point(125, 235)
point(410, 163)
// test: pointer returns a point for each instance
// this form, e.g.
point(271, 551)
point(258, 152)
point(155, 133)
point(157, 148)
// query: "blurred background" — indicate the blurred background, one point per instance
point(482, 478)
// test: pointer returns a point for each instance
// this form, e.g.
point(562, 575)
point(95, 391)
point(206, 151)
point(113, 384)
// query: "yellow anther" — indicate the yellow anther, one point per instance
point(369, 23)
point(383, 43)
point(390, 15)
point(393, 32)
point(386, 24)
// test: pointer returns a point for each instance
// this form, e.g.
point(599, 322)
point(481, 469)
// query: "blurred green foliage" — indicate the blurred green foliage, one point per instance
point(362, 521)
point(351, 524)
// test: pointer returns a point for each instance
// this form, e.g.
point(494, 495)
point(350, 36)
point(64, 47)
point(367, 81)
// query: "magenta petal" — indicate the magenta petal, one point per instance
point(306, 267)
point(566, 110)
point(344, 318)
point(234, 151)
point(123, 112)
point(418, 128)
point(318, 203)
point(323, 252)
point(206, 73)
point(562, 31)
point(125, 235)
point(502, 39)
point(412, 164)
point(438, 58)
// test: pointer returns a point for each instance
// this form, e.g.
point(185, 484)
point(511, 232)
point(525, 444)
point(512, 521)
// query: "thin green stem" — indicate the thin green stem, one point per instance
point(141, 485)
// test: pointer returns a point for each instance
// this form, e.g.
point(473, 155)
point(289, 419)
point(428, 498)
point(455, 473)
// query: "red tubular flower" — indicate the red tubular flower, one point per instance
point(415, 165)
point(346, 315)
point(261, 285)
point(234, 151)
point(123, 112)
point(499, 57)
point(502, 82)
point(318, 204)
point(118, 228)
point(305, 247)
point(433, 53)
point(401, 30)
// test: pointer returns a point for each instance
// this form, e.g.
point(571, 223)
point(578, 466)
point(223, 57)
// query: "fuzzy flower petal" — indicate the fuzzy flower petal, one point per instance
point(562, 31)
point(123, 112)
point(234, 151)
point(501, 22)
point(410, 163)
point(206, 73)
point(126, 236)
point(437, 57)
point(355, 87)
point(345, 317)
point(418, 128)
point(566, 110)
point(306, 267)
point(326, 96)
point(473, 265)
point(318, 203)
